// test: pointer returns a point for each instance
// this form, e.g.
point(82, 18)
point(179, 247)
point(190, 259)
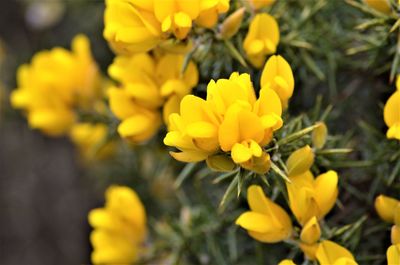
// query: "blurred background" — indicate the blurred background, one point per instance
point(44, 195)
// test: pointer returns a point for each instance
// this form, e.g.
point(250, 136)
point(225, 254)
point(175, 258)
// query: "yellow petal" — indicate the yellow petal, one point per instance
point(255, 222)
point(326, 191)
point(391, 111)
point(309, 250)
point(189, 156)
point(240, 153)
point(395, 234)
point(220, 163)
point(380, 5)
point(385, 207)
point(329, 252)
point(287, 262)
point(232, 23)
point(201, 129)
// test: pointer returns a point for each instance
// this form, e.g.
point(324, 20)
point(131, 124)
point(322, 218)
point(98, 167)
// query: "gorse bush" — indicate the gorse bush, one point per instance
point(246, 132)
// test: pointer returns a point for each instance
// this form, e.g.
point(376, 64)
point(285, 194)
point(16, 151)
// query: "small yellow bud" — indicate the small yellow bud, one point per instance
point(220, 163)
point(311, 232)
point(319, 135)
point(231, 24)
point(395, 234)
point(385, 207)
point(300, 161)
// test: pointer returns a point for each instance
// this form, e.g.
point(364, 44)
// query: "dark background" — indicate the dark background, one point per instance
point(44, 193)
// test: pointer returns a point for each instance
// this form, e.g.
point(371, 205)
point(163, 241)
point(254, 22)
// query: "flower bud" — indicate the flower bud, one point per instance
point(300, 161)
point(231, 24)
point(319, 135)
point(379, 5)
point(220, 163)
point(309, 250)
point(287, 262)
point(311, 232)
point(385, 207)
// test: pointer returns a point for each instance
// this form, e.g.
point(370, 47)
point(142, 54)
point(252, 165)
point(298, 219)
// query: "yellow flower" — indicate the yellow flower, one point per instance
point(231, 24)
point(277, 75)
point(231, 119)
point(380, 5)
point(391, 114)
point(309, 236)
point(90, 139)
point(310, 197)
point(257, 4)
point(119, 227)
point(266, 222)
point(55, 85)
point(319, 135)
point(146, 87)
point(210, 9)
point(176, 16)
point(261, 39)
point(330, 253)
point(300, 161)
point(393, 254)
point(131, 26)
point(287, 262)
point(386, 208)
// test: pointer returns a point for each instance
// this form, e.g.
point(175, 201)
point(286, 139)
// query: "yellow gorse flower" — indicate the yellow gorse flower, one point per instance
point(319, 135)
point(330, 253)
point(133, 26)
point(389, 210)
point(231, 24)
point(119, 227)
point(287, 262)
point(55, 85)
point(300, 161)
point(267, 221)
point(310, 197)
point(231, 119)
point(277, 75)
point(261, 39)
point(148, 86)
point(391, 114)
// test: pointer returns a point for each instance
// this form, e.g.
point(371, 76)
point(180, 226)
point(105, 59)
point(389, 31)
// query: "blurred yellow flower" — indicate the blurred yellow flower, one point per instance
point(231, 119)
point(130, 26)
point(91, 140)
point(277, 75)
point(380, 5)
point(148, 86)
point(391, 114)
point(266, 222)
point(330, 253)
point(119, 227)
point(257, 4)
point(393, 254)
point(310, 197)
point(261, 39)
point(56, 84)
point(300, 161)
point(210, 9)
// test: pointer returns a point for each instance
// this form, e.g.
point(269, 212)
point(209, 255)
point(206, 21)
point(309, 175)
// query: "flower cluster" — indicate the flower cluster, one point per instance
point(232, 125)
point(119, 228)
point(56, 85)
point(139, 26)
point(148, 85)
point(309, 200)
